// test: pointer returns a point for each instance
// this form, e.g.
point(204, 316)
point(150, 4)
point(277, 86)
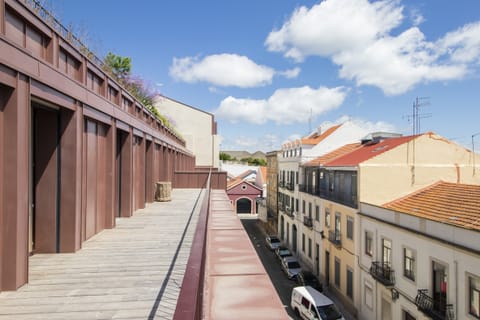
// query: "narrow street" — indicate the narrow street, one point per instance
point(272, 265)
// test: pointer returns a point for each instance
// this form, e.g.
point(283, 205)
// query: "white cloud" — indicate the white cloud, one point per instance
point(222, 70)
point(357, 35)
point(285, 106)
point(226, 70)
point(291, 73)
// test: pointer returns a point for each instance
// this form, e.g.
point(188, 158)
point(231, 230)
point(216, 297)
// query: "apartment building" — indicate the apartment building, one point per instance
point(420, 255)
point(299, 223)
point(381, 168)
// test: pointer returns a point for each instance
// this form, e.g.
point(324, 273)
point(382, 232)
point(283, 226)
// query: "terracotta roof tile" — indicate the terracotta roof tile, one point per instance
point(451, 203)
point(234, 182)
point(263, 172)
point(343, 150)
point(316, 140)
point(368, 151)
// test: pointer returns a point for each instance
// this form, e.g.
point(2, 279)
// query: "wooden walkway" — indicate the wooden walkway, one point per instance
point(131, 272)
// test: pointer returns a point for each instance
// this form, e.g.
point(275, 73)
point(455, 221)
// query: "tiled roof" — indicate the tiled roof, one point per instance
point(263, 172)
point(234, 182)
point(319, 138)
point(333, 155)
point(368, 151)
point(451, 203)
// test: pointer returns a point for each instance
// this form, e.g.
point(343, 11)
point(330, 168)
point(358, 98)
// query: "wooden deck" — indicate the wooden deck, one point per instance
point(131, 272)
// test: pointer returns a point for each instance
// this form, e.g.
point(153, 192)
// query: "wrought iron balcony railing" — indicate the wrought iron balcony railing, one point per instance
point(307, 221)
point(290, 186)
point(335, 237)
point(383, 273)
point(437, 309)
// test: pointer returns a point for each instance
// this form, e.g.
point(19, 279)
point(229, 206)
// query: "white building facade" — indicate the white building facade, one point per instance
point(415, 268)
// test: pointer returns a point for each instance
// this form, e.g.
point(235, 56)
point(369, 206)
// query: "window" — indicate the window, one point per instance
point(474, 307)
point(338, 222)
point(368, 243)
point(327, 217)
point(387, 251)
point(309, 247)
point(317, 213)
point(337, 272)
point(305, 303)
point(296, 176)
point(303, 242)
point(350, 228)
point(296, 205)
point(350, 283)
point(407, 316)
point(310, 210)
point(303, 206)
point(409, 263)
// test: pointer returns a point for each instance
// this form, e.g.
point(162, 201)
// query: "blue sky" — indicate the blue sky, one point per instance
point(272, 69)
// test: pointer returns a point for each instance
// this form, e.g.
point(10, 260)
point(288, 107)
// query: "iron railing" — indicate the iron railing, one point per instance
point(335, 237)
point(307, 221)
point(383, 273)
point(437, 309)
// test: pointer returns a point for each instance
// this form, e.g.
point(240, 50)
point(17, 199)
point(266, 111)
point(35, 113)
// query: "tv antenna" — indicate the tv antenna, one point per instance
point(416, 116)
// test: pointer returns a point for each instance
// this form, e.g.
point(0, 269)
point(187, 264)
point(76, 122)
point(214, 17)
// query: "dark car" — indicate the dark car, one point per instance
point(307, 278)
point(283, 252)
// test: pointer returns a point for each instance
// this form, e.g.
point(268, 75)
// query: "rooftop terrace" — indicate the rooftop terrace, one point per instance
point(135, 271)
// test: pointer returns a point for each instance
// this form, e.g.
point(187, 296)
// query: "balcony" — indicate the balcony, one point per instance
point(383, 273)
point(281, 184)
point(339, 197)
point(290, 186)
point(289, 211)
point(437, 309)
point(313, 190)
point(307, 222)
point(335, 237)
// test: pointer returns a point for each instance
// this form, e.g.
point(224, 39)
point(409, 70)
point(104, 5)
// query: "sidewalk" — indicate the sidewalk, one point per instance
point(133, 271)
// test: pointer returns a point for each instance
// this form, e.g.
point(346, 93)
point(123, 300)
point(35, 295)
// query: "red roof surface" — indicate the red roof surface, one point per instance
point(368, 151)
point(452, 203)
point(333, 155)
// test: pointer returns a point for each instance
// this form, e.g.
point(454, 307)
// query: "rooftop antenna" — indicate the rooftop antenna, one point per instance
point(416, 116)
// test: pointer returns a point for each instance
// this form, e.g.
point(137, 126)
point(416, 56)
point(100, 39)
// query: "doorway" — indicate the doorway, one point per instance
point(294, 238)
point(44, 215)
point(327, 268)
point(439, 287)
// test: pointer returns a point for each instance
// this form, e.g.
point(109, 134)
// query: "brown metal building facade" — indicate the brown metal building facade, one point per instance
point(76, 149)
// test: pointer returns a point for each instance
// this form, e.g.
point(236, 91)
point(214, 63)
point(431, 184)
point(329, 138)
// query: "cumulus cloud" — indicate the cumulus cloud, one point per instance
point(225, 70)
point(284, 106)
point(357, 35)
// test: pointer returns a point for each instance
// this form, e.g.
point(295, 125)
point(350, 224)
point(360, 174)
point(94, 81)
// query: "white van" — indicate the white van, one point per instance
point(310, 304)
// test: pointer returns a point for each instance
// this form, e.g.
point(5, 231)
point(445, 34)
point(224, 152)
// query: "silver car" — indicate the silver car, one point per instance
point(291, 267)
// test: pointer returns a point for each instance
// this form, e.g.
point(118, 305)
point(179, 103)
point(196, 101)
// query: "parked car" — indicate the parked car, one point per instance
point(307, 278)
point(273, 242)
point(291, 267)
point(283, 252)
point(310, 304)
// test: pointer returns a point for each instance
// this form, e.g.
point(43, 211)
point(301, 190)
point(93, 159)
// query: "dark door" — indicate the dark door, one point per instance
point(45, 180)
point(317, 258)
point(439, 288)
point(244, 205)
point(294, 238)
point(327, 268)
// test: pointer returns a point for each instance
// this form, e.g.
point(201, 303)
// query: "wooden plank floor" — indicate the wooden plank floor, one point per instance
point(131, 272)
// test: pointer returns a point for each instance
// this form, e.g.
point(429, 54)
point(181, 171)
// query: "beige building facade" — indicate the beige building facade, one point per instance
point(198, 128)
